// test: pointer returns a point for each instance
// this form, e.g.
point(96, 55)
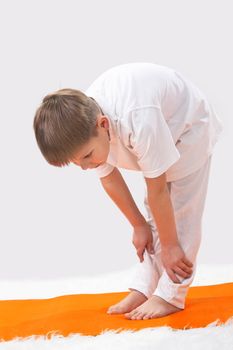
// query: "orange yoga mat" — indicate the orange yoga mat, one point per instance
point(86, 313)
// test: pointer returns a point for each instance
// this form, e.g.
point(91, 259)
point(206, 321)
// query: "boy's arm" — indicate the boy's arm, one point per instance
point(161, 207)
point(118, 191)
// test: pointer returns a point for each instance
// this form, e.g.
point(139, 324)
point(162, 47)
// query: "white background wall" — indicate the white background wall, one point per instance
point(59, 222)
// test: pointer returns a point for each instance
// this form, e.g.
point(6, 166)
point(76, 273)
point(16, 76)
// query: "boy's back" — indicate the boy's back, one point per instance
point(159, 120)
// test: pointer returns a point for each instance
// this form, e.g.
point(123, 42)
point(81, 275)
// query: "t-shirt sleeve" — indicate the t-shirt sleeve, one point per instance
point(104, 170)
point(151, 141)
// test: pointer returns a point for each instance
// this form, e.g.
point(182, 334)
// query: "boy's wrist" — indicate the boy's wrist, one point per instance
point(140, 221)
point(170, 244)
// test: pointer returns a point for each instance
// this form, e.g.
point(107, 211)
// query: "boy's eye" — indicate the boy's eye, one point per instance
point(88, 155)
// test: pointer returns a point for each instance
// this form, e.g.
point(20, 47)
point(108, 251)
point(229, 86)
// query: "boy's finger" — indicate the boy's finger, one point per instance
point(140, 255)
point(140, 258)
point(172, 276)
point(187, 262)
point(150, 249)
point(184, 267)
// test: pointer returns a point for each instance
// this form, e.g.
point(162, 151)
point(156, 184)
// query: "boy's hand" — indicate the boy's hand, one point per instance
point(175, 261)
point(143, 239)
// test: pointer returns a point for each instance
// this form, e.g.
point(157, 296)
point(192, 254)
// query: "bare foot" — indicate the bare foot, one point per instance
point(132, 300)
point(152, 308)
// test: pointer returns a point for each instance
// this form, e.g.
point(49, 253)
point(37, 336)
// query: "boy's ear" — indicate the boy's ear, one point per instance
point(106, 122)
point(102, 122)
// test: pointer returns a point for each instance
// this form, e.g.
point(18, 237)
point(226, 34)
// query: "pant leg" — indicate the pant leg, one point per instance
point(188, 199)
point(148, 272)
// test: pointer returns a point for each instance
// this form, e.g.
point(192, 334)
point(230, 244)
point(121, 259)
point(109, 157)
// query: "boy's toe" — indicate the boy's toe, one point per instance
point(134, 312)
point(135, 315)
point(147, 316)
point(129, 315)
point(112, 310)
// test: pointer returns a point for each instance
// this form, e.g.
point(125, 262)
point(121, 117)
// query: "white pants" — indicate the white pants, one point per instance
point(188, 199)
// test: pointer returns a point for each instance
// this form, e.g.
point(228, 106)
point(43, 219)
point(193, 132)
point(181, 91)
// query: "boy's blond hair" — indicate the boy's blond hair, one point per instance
point(64, 122)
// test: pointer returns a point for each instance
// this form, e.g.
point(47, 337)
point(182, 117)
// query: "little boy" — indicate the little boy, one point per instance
point(148, 118)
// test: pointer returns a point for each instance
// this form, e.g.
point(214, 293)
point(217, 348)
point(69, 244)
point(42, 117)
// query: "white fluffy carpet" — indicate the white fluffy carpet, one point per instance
point(212, 337)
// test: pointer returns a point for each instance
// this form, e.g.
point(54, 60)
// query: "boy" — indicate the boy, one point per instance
point(149, 118)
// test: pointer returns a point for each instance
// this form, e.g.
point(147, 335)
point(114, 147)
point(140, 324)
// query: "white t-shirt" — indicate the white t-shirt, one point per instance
point(159, 120)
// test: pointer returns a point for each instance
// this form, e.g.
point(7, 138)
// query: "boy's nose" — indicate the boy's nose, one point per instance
point(84, 167)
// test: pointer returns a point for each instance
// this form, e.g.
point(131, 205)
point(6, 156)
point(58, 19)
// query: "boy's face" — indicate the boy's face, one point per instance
point(96, 151)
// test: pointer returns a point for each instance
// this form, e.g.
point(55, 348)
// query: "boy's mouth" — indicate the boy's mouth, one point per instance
point(98, 165)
